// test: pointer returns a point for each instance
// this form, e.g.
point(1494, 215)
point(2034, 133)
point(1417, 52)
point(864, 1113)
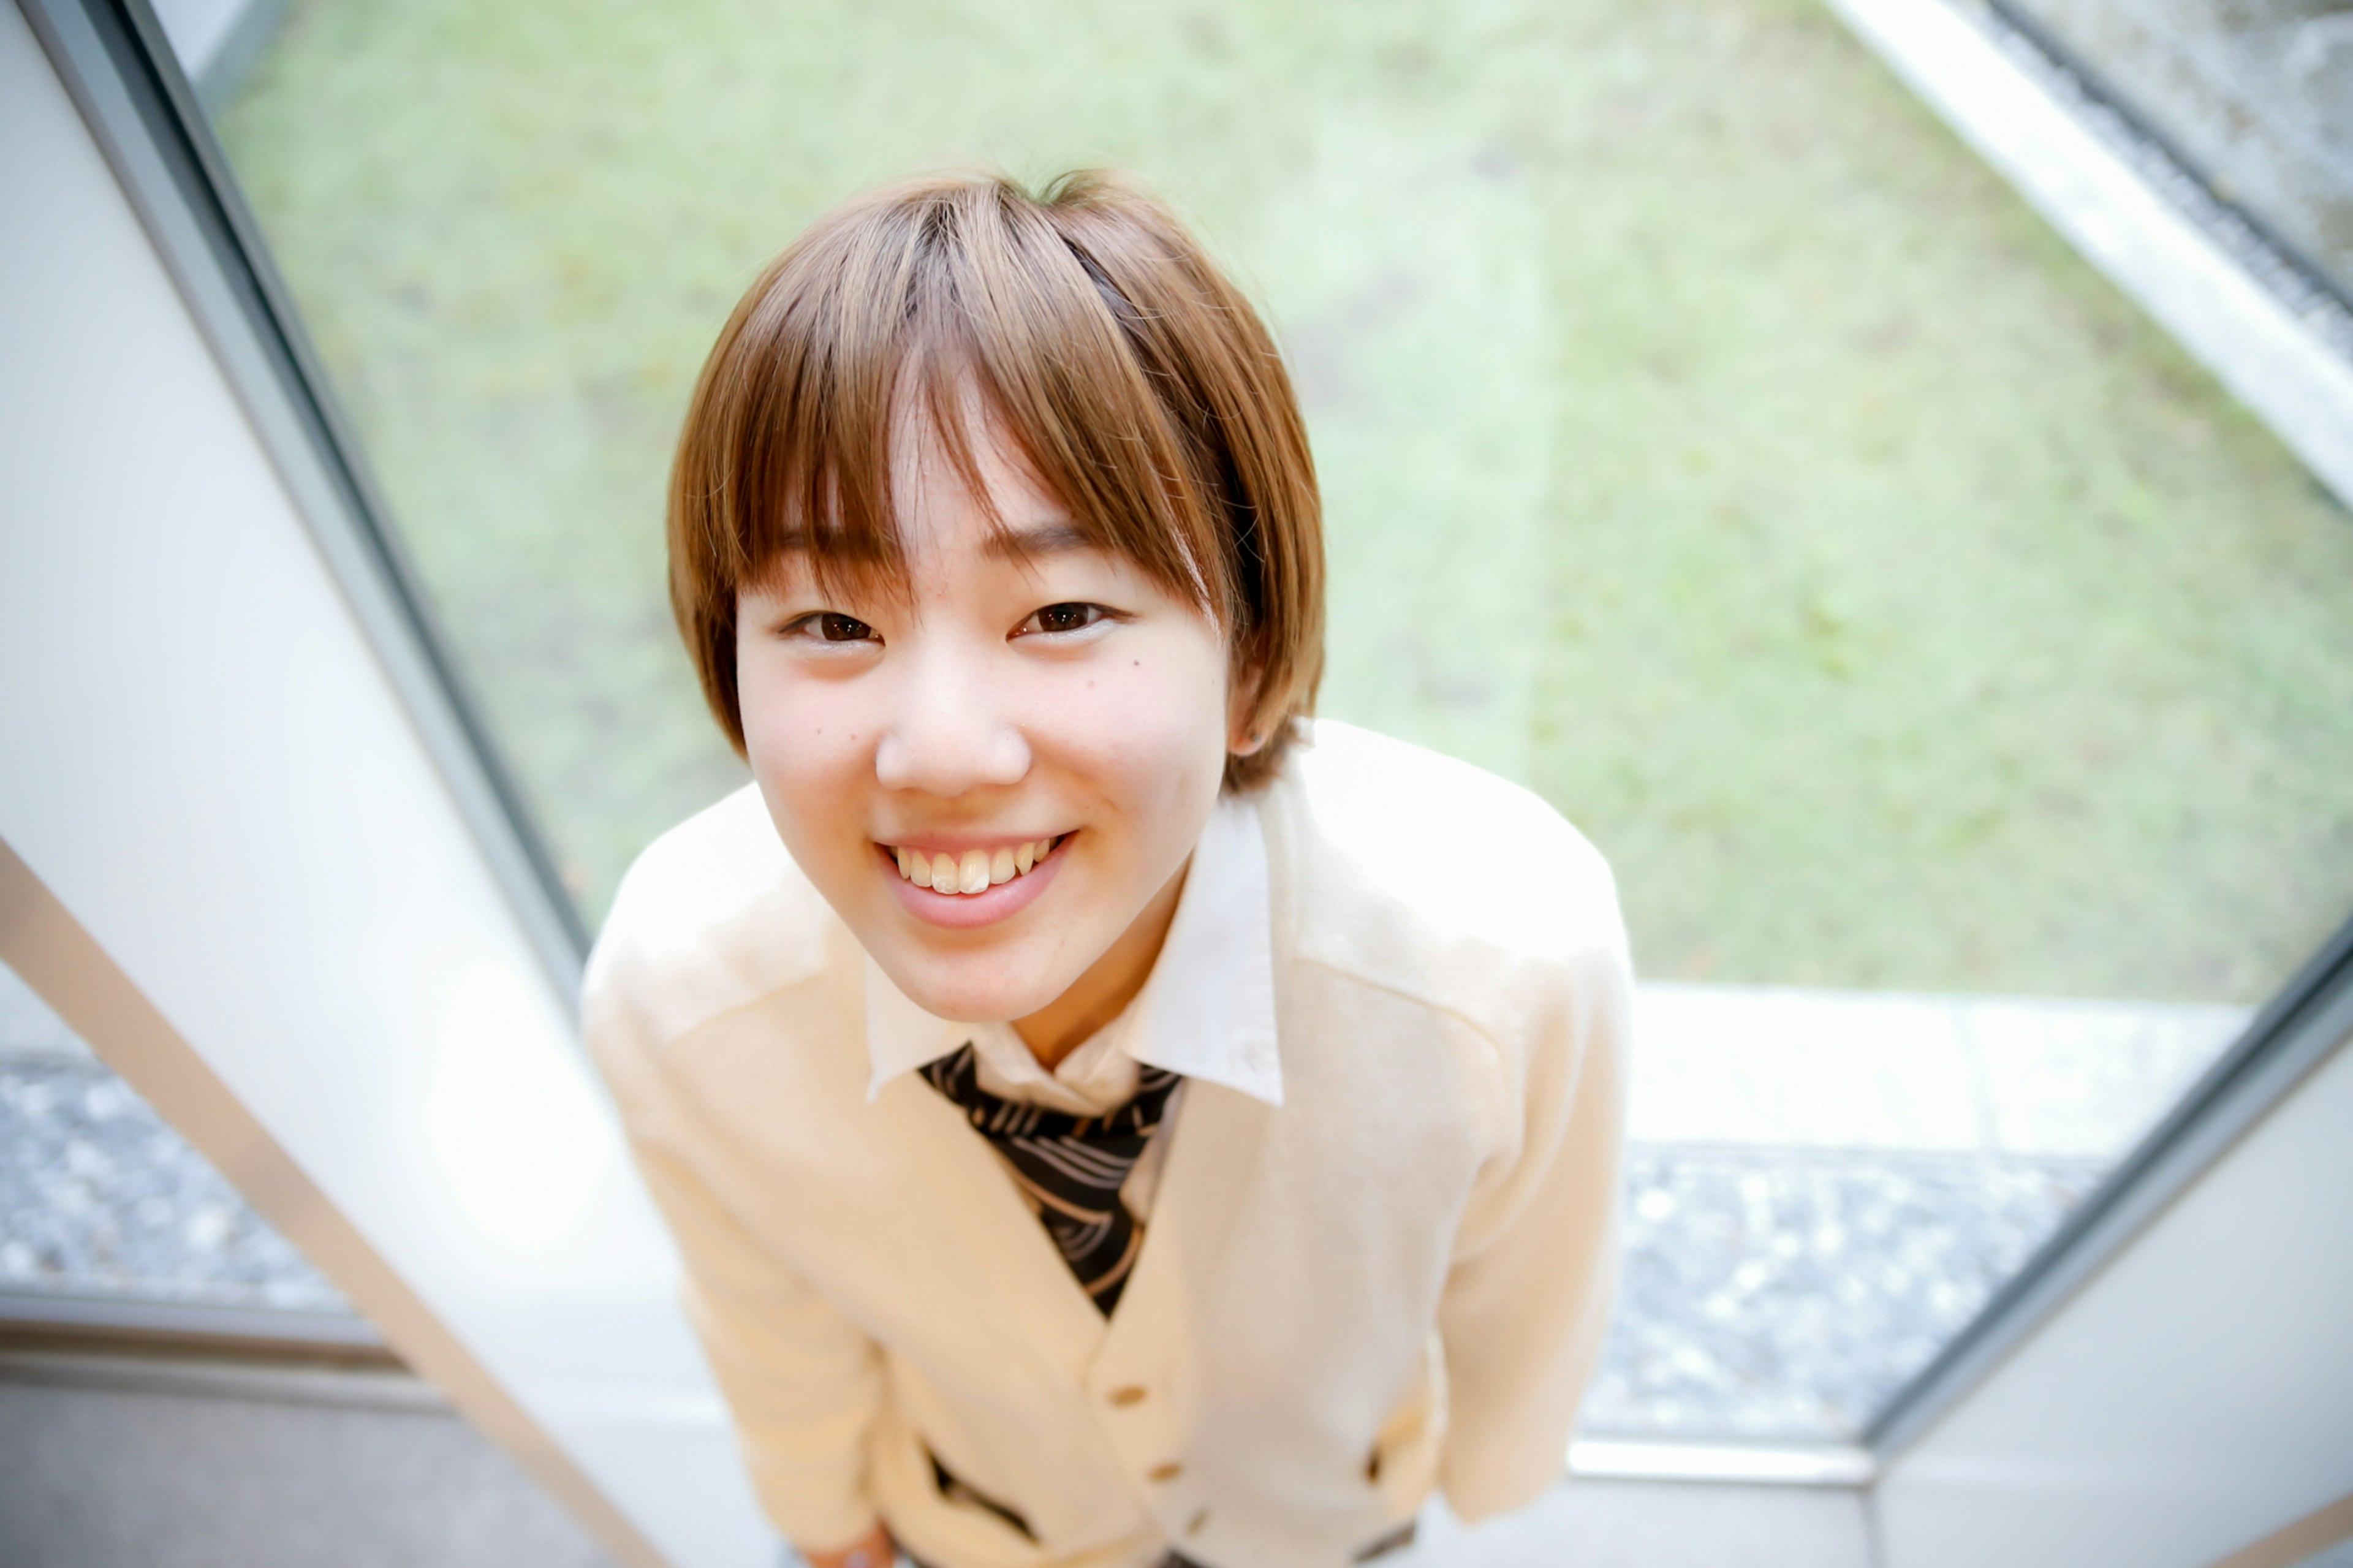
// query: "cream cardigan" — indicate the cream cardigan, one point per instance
point(1398, 1279)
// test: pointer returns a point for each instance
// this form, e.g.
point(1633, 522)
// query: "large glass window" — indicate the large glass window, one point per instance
point(2253, 97)
point(1959, 681)
point(100, 1201)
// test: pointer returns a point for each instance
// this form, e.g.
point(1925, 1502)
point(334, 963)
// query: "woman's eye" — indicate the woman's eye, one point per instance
point(829, 625)
point(1072, 617)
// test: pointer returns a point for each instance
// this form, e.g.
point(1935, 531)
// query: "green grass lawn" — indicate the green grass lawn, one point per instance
point(1709, 440)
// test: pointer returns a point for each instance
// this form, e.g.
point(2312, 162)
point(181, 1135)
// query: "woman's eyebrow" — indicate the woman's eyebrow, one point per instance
point(1038, 540)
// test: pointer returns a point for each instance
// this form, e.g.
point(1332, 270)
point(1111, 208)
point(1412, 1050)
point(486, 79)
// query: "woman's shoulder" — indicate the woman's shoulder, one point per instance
point(714, 916)
point(1421, 872)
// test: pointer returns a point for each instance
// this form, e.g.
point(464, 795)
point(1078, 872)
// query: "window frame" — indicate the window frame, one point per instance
point(119, 68)
point(2095, 84)
point(125, 79)
point(2303, 1024)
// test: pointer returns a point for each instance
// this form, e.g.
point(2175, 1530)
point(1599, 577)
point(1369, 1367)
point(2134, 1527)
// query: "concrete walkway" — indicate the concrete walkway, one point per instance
point(1766, 1067)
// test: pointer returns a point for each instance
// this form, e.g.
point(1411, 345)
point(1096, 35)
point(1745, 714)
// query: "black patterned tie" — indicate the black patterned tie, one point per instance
point(1071, 1166)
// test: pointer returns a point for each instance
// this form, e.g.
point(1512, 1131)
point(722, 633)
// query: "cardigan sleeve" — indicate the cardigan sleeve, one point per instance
point(1528, 1295)
point(802, 1383)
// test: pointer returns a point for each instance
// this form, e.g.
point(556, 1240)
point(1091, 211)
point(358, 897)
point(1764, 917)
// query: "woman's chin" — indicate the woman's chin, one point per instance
point(972, 989)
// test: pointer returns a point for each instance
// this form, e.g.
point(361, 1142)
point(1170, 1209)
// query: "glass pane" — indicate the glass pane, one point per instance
point(2255, 95)
point(1959, 681)
point(99, 1198)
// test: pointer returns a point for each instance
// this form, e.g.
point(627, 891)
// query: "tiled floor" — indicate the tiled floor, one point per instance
point(125, 1478)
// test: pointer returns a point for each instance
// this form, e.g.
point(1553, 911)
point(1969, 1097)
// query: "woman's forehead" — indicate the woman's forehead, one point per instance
point(944, 550)
point(962, 506)
point(989, 511)
point(977, 553)
point(953, 451)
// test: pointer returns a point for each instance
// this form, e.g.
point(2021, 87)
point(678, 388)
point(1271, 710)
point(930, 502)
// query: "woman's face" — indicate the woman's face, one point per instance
point(1058, 710)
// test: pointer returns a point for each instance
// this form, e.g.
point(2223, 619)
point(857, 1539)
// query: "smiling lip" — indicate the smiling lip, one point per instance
point(963, 911)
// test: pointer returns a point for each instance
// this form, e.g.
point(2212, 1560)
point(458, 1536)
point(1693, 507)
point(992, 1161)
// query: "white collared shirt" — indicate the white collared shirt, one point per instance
point(1207, 1011)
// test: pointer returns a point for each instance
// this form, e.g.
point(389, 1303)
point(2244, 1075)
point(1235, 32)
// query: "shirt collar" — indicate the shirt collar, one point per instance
point(1208, 1010)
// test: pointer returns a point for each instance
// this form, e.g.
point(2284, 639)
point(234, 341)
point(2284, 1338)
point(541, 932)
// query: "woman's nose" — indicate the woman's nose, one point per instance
point(950, 731)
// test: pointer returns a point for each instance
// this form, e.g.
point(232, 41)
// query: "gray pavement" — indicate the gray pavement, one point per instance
point(113, 1478)
point(1787, 1296)
point(99, 1197)
point(2257, 94)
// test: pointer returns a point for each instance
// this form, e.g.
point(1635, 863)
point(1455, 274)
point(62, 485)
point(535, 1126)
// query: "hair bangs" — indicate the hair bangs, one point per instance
point(1079, 334)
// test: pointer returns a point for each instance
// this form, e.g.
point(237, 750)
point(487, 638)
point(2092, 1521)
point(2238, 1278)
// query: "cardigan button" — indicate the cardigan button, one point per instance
point(1166, 1470)
point(1131, 1395)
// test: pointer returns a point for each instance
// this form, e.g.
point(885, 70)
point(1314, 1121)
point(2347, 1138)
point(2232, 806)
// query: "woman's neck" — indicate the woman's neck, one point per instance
point(1110, 983)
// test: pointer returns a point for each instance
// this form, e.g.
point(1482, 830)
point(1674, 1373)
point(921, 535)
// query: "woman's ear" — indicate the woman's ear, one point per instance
point(1242, 738)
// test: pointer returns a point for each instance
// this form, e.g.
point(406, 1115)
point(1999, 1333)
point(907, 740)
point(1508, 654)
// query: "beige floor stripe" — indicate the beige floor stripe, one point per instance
point(2313, 1533)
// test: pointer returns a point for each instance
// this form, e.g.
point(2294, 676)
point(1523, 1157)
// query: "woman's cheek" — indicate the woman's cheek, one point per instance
point(804, 749)
point(1152, 733)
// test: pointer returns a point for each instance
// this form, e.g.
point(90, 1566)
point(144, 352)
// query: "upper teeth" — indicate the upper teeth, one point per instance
point(975, 870)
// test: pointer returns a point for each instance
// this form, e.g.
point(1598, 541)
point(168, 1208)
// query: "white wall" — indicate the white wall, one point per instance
point(296, 947)
point(2194, 1397)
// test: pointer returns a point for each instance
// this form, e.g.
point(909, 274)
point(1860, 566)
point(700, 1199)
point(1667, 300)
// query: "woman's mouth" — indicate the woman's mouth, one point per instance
point(972, 871)
point(972, 886)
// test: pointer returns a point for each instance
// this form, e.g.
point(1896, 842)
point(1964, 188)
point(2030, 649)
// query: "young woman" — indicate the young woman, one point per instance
point(1108, 1118)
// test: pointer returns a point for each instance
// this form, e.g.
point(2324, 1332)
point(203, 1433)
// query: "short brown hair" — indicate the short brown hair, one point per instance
point(1140, 387)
